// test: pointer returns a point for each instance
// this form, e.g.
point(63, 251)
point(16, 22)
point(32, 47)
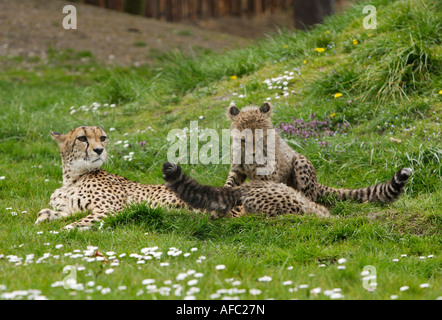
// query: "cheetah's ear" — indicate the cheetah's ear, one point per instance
point(233, 111)
point(266, 108)
point(59, 137)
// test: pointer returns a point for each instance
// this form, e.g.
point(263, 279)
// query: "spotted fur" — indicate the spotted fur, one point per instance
point(295, 170)
point(87, 187)
point(266, 197)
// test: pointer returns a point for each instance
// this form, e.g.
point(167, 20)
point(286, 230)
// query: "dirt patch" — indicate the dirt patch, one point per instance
point(29, 27)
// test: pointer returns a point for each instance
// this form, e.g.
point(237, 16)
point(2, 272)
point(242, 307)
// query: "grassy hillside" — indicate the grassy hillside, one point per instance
point(369, 102)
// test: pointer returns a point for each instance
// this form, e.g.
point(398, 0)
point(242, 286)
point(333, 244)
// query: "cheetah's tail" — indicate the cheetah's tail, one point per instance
point(383, 192)
point(200, 196)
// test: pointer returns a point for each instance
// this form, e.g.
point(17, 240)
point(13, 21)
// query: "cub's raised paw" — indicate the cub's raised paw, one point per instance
point(47, 215)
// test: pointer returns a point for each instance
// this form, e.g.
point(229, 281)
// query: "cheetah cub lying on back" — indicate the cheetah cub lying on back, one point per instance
point(266, 197)
point(87, 187)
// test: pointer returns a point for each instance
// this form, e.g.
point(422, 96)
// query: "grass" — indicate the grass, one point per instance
point(390, 83)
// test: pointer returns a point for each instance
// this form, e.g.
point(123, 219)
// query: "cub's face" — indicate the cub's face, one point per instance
point(250, 130)
point(251, 117)
point(83, 149)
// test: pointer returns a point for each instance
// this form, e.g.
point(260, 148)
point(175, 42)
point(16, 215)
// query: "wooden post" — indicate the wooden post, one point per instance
point(308, 13)
point(215, 8)
point(117, 5)
point(181, 7)
point(192, 10)
point(97, 3)
point(167, 9)
point(135, 7)
point(202, 8)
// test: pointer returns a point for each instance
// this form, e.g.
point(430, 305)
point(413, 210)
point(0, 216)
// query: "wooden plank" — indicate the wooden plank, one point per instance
point(192, 16)
point(162, 14)
point(274, 6)
point(236, 8)
point(202, 9)
point(148, 9)
point(215, 8)
point(167, 9)
point(181, 13)
point(308, 13)
point(117, 5)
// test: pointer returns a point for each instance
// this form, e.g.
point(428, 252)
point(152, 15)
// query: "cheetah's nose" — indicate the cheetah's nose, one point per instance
point(99, 151)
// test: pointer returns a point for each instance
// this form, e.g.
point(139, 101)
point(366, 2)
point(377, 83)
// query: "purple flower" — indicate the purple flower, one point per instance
point(313, 129)
point(142, 144)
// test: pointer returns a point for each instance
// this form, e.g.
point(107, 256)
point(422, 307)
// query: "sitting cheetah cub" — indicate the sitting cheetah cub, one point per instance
point(266, 197)
point(87, 187)
point(294, 169)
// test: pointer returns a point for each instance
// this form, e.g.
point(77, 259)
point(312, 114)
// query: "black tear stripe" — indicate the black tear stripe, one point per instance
point(87, 142)
point(73, 145)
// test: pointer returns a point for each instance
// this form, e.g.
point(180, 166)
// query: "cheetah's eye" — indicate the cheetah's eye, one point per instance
point(82, 139)
point(103, 138)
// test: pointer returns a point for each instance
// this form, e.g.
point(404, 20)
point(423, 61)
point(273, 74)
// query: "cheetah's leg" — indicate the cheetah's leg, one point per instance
point(236, 212)
point(86, 223)
point(317, 209)
point(234, 179)
point(46, 215)
point(304, 177)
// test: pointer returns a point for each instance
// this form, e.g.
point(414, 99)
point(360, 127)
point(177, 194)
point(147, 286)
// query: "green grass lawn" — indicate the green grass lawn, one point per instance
point(380, 92)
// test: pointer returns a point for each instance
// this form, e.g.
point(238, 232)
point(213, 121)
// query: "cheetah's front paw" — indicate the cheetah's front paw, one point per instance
point(47, 215)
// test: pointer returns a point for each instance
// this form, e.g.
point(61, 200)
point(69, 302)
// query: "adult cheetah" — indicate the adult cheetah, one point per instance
point(87, 187)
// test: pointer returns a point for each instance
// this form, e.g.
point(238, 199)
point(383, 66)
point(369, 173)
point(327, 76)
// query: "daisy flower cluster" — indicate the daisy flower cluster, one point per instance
point(94, 107)
point(128, 144)
point(78, 260)
point(30, 294)
point(406, 287)
point(281, 84)
point(185, 284)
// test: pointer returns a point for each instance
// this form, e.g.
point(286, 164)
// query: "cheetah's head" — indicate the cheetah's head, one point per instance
point(251, 117)
point(83, 149)
point(254, 137)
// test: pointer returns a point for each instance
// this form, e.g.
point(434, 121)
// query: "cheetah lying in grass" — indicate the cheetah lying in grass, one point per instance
point(87, 187)
point(267, 197)
point(257, 196)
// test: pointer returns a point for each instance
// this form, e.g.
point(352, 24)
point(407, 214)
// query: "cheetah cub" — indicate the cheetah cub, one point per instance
point(294, 169)
point(269, 198)
point(87, 187)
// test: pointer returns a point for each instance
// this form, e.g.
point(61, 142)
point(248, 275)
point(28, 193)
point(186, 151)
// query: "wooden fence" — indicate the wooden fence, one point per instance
point(190, 10)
